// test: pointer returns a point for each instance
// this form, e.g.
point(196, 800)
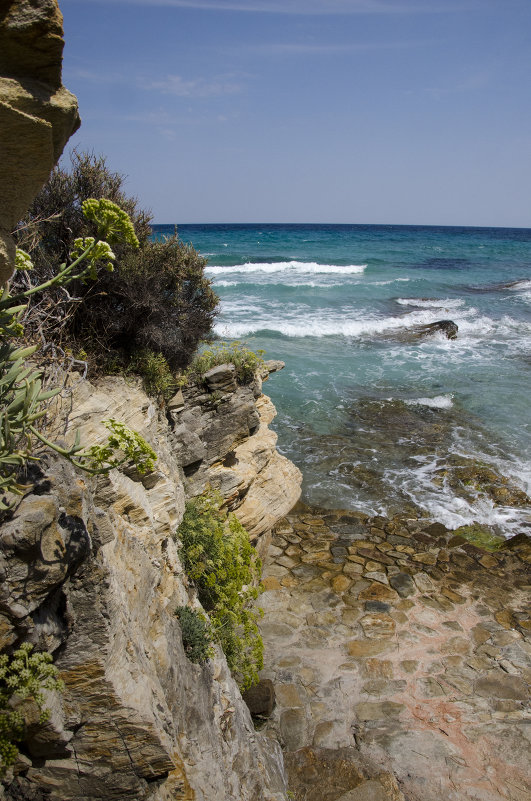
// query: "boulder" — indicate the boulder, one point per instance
point(221, 378)
point(447, 327)
point(37, 114)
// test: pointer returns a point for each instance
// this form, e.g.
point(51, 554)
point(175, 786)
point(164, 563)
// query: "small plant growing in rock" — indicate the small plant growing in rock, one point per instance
point(123, 445)
point(156, 374)
point(196, 633)
point(220, 560)
point(244, 360)
point(22, 675)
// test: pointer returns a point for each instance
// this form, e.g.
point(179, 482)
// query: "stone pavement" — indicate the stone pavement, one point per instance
point(394, 641)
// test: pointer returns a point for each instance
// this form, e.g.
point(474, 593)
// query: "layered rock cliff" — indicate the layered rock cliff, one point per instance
point(37, 114)
point(92, 573)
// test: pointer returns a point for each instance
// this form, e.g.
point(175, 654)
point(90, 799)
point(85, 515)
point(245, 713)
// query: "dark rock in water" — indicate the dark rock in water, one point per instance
point(261, 698)
point(447, 327)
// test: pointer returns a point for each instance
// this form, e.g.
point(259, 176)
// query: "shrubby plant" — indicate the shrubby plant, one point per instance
point(158, 300)
point(158, 379)
point(220, 560)
point(22, 675)
point(196, 633)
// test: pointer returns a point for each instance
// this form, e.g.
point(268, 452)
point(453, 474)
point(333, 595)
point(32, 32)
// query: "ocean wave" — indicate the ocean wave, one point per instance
point(300, 284)
point(432, 303)
point(392, 281)
point(443, 505)
point(322, 326)
point(287, 266)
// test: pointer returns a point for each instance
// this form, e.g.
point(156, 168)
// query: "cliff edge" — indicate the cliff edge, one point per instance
point(92, 574)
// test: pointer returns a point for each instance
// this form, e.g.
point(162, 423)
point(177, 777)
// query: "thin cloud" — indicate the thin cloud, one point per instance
point(197, 87)
point(312, 7)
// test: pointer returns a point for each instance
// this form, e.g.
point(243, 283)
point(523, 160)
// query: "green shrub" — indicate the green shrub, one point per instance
point(196, 634)
point(157, 377)
point(23, 675)
point(219, 558)
point(245, 361)
point(158, 298)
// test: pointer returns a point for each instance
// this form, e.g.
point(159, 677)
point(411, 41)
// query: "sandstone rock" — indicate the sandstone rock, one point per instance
point(374, 790)
point(273, 365)
point(324, 774)
point(221, 378)
point(293, 728)
point(367, 647)
point(92, 566)
point(378, 592)
point(37, 115)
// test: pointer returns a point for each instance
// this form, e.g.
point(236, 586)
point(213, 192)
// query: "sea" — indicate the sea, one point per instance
point(381, 414)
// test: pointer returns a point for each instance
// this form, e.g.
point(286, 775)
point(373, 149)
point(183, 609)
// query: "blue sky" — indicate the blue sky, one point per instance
point(346, 111)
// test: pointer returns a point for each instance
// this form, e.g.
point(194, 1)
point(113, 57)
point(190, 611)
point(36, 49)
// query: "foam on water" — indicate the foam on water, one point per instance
point(432, 303)
point(392, 281)
point(439, 402)
point(321, 284)
point(287, 266)
point(322, 323)
point(442, 504)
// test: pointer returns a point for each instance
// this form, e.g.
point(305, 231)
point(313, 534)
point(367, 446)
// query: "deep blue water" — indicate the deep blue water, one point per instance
point(360, 403)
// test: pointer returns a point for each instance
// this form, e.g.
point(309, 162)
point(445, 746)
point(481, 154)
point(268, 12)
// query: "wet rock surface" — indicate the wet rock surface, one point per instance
point(402, 455)
point(406, 644)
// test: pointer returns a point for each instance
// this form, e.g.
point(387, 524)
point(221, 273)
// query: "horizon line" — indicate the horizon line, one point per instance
point(394, 225)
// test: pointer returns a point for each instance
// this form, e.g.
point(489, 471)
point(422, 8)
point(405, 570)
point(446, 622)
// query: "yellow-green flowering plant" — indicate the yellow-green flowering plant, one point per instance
point(23, 675)
point(22, 396)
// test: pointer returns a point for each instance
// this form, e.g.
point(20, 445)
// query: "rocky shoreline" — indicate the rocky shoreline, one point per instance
point(397, 650)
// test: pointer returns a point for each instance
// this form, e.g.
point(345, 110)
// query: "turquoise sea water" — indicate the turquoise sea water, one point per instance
point(371, 415)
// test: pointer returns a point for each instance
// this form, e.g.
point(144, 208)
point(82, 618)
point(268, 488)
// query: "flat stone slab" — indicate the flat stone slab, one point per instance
point(422, 664)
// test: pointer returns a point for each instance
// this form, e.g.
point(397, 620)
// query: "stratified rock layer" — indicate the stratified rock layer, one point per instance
point(37, 114)
point(92, 573)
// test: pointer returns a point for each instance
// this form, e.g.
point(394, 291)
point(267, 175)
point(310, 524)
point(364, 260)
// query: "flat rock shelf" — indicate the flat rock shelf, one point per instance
point(396, 642)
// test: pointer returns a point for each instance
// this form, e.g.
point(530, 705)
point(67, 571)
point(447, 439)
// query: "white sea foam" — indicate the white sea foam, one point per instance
point(432, 303)
point(322, 325)
point(521, 285)
point(443, 505)
point(287, 266)
point(439, 402)
point(392, 281)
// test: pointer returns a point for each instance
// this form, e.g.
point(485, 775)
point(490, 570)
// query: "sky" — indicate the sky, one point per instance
point(410, 112)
